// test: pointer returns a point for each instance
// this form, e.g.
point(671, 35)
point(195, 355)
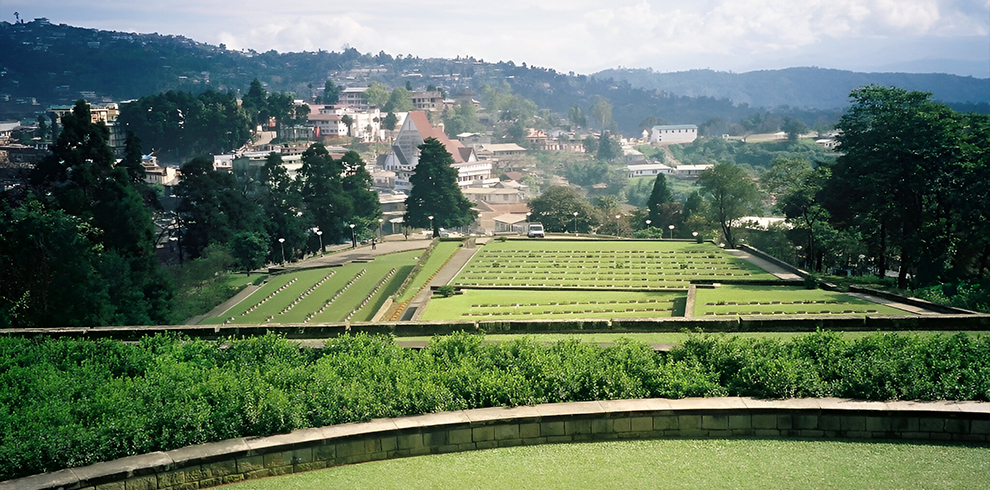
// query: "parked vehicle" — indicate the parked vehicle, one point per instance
point(535, 230)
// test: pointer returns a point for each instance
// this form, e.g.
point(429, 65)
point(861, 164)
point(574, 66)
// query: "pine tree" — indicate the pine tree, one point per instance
point(435, 191)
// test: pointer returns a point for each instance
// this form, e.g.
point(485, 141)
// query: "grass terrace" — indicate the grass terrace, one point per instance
point(438, 257)
point(630, 265)
point(734, 300)
point(476, 304)
point(352, 292)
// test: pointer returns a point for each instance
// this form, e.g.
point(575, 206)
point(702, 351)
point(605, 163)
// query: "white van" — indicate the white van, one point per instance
point(535, 230)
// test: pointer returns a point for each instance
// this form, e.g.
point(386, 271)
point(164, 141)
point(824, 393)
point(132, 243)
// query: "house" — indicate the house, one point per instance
point(428, 101)
point(649, 170)
point(691, 171)
point(501, 151)
point(328, 125)
point(404, 155)
point(511, 223)
point(494, 195)
point(393, 209)
point(676, 133)
point(353, 97)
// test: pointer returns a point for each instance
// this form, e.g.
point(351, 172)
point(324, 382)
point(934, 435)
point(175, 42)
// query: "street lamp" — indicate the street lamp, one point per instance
point(319, 233)
point(380, 222)
point(671, 227)
point(648, 223)
point(281, 243)
point(695, 235)
point(353, 238)
point(575, 223)
point(431, 225)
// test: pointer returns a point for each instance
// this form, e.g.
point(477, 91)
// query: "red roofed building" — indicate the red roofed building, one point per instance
point(405, 154)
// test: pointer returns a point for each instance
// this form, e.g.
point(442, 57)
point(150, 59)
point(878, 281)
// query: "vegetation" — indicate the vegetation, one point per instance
point(667, 463)
point(435, 199)
point(753, 300)
point(75, 402)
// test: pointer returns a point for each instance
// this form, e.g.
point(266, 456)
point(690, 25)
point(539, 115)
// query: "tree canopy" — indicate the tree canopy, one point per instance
point(435, 191)
point(732, 195)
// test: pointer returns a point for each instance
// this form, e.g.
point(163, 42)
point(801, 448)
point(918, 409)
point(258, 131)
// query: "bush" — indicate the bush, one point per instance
point(68, 402)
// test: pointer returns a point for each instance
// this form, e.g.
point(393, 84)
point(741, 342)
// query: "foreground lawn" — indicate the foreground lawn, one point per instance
point(670, 463)
point(519, 304)
point(324, 295)
point(783, 300)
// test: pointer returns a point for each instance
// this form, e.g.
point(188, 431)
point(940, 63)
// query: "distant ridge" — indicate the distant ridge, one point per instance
point(807, 87)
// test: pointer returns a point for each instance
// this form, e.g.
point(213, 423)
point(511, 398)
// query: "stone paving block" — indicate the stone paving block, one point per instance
point(666, 422)
point(804, 422)
point(350, 448)
point(829, 423)
point(941, 436)
point(931, 424)
point(970, 437)
point(186, 486)
point(740, 421)
point(529, 430)
point(409, 441)
point(575, 427)
point(459, 436)
point(147, 482)
point(641, 424)
point(852, 423)
point(689, 422)
point(470, 446)
point(602, 426)
point(811, 433)
point(250, 463)
point(715, 422)
point(859, 434)
point(509, 442)
point(766, 433)
point(219, 469)
point(262, 473)
point(719, 433)
point(764, 421)
point(742, 432)
point(483, 434)
point(559, 439)
point(313, 465)
point(878, 424)
point(957, 426)
point(389, 443)
point(550, 429)
point(785, 422)
point(114, 485)
point(980, 427)
point(280, 470)
point(171, 478)
point(416, 451)
point(916, 435)
point(486, 444)
point(622, 424)
point(904, 424)
point(532, 441)
point(435, 438)
point(325, 452)
point(506, 431)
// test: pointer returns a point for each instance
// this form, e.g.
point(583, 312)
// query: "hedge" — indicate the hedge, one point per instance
point(70, 402)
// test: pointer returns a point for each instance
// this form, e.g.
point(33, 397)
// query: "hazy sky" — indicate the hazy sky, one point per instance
point(575, 35)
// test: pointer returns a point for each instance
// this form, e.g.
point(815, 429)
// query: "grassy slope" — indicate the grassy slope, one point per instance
point(667, 463)
point(536, 304)
point(439, 256)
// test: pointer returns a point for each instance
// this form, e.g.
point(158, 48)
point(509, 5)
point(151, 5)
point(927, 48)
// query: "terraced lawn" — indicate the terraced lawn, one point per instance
point(637, 265)
point(476, 304)
point(352, 292)
point(733, 300)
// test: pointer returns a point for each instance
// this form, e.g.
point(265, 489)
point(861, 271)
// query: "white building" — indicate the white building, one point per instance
point(676, 133)
point(649, 170)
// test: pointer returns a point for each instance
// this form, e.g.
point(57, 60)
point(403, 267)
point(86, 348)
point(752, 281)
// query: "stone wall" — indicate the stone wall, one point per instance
point(232, 460)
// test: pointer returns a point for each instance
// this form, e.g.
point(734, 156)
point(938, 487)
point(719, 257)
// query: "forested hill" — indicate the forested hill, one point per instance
point(815, 88)
point(44, 64)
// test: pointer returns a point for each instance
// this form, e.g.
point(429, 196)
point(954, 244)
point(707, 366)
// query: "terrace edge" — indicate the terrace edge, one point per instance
point(232, 460)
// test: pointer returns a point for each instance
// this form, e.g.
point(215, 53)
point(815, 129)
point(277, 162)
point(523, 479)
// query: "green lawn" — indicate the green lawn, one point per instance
point(667, 463)
point(441, 252)
point(782, 300)
point(313, 291)
point(641, 265)
point(680, 337)
point(476, 304)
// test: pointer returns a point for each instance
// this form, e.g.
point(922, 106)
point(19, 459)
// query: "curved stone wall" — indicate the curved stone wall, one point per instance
point(232, 460)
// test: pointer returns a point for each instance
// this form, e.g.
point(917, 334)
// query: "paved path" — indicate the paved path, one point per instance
point(344, 253)
point(893, 304)
point(766, 265)
point(414, 311)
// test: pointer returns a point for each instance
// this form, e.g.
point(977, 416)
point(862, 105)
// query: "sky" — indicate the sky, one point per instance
point(581, 36)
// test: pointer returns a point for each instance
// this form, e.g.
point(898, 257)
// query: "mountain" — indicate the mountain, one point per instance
point(44, 64)
point(813, 88)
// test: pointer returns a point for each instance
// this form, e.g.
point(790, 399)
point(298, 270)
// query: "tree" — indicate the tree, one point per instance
point(435, 191)
point(577, 117)
point(399, 101)
point(390, 121)
point(602, 110)
point(555, 208)
point(731, 193)
point(348, 121)
point(331, 93)
point(376, 95)
point(249, 250)
point(608, 148)
point(326, 205)
point(900, 168)
point(660, 196)
point(794, 128)
point(255, 103)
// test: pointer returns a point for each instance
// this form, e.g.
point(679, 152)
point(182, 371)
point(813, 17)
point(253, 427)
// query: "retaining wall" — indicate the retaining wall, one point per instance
point(232, 460)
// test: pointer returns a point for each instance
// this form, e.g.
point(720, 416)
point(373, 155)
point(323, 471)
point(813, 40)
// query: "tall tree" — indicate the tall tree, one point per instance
point(327, 206)
point(577, 117)
point(899, 166)
point(660, 197)
point(331, 93)
point(435, 191)
point(400, 100)
point(732, 195)
point(555, 208)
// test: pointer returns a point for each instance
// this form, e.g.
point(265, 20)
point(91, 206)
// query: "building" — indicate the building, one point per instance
point(353, 97)
point(428, 101)
point(691, 171)
point(676, 133)
point(649, 170)
point(494, 195)
point(404, 155)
